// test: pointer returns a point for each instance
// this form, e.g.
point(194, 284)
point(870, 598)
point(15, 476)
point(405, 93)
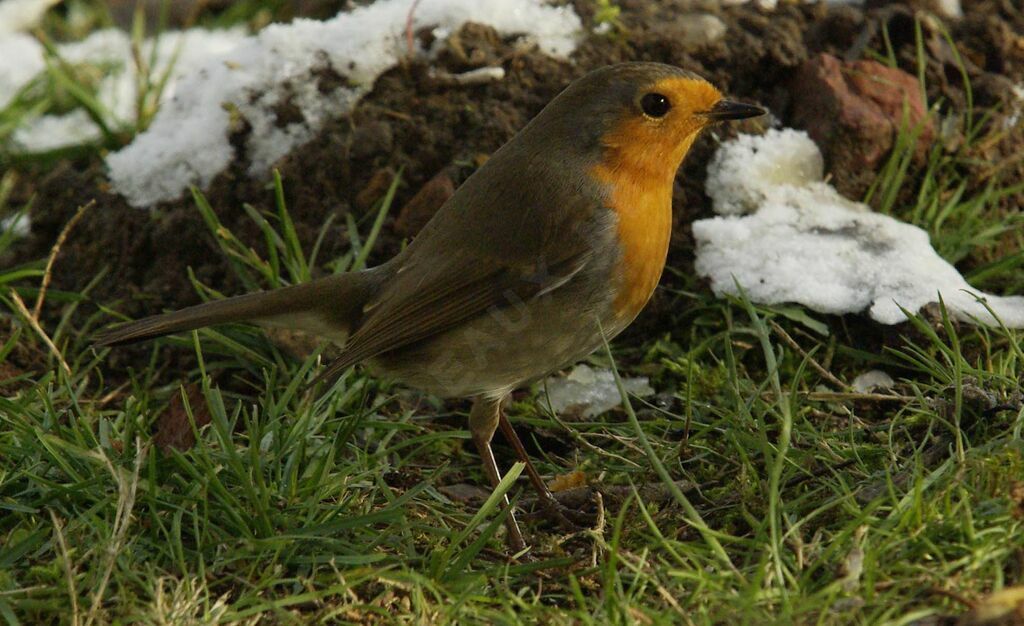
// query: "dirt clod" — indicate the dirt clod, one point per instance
point(421, 207)
point(375, 188)
point(174, 428)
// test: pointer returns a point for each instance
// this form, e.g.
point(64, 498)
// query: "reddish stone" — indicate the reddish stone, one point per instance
point(421, 207)
point(853, 111)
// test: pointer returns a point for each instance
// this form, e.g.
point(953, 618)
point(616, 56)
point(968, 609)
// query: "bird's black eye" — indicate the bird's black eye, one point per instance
point(655, 105)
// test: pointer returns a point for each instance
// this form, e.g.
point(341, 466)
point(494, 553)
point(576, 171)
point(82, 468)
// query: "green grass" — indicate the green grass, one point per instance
point(787, 497)
point(812, 504)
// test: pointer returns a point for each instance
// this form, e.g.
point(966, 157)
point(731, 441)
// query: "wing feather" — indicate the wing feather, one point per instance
point(456, 295)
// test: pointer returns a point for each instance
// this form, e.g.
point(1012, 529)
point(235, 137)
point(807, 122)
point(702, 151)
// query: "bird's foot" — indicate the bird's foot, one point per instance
point(581, 513)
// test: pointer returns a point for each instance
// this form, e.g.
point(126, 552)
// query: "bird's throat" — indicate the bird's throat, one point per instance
point(642, 203)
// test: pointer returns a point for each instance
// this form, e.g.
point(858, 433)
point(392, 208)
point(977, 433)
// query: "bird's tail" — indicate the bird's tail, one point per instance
point(328, 307)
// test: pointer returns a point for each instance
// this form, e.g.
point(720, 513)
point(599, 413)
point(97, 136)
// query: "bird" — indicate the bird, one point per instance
point(548, 250)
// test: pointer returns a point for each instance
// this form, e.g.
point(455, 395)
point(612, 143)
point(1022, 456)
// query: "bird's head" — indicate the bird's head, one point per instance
point(640, 116)
point(653, 113)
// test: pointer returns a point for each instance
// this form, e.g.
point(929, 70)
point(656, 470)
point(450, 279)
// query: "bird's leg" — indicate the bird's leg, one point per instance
point(483, 421)
point(553, 507)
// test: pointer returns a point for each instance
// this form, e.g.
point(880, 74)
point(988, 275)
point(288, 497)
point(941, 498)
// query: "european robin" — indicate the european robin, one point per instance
point(555, 244)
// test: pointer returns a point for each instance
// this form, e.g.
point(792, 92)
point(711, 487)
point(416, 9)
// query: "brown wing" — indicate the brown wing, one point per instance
point(416, 307)
point(522, 225)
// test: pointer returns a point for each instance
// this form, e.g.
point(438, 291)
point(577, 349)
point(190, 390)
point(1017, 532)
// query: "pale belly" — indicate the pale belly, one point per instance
point(496, 353)
point(504, 349)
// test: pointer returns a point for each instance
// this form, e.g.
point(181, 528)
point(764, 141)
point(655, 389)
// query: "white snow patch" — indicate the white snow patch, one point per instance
point(21, 59)
point(1016, 107)
point(18, 225)
point(188, 142)
point(52, 132)
point(109, 51)
point(949, 8)
point(589, 392)
point(19, 15)
point(800, 241)
point(764, 166)
point(872, 380)
point(764, 4)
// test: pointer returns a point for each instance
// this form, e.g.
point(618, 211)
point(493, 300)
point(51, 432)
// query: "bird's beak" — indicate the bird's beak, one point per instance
point(730, 110)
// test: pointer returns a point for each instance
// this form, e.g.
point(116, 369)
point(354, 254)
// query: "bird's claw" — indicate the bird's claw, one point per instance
point(567, 518)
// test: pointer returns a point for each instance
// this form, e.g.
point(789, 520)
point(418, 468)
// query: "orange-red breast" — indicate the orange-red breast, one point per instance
point(560, 236)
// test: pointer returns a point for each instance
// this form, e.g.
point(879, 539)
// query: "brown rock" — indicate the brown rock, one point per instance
point(464, 492)
point(853, 111)
point(692, 31)
point(421, 207)
point(370, 140)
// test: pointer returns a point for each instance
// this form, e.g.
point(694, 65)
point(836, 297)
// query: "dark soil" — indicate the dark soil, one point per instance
point(425, 126)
